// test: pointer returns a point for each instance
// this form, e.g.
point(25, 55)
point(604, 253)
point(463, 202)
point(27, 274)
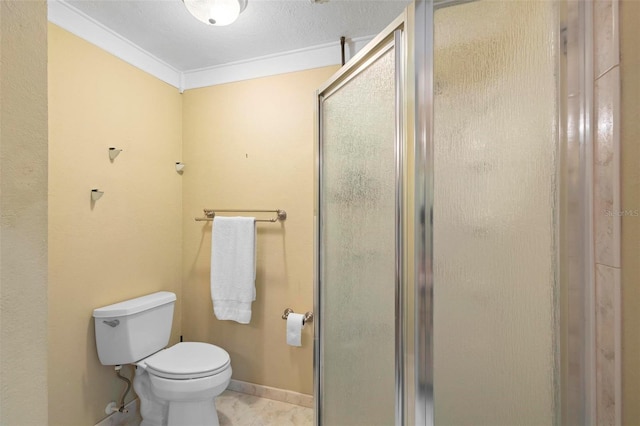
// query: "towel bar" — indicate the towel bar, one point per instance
point(209, 214)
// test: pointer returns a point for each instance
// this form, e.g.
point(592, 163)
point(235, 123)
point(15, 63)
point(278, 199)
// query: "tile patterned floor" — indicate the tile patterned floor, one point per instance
point(239, 409)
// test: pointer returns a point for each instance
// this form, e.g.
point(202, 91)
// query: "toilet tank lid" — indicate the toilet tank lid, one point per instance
point(133, 306)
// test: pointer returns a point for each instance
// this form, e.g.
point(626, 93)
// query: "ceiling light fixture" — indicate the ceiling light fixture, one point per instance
point(216, 12)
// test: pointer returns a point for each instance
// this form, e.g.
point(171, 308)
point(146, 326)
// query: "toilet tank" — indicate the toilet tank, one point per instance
point(129, 331)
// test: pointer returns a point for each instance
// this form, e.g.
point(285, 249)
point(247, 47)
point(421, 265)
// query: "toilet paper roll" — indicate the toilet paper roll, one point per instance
point(294, 329)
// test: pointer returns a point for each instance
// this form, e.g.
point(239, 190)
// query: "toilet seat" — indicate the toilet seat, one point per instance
point(188, 360)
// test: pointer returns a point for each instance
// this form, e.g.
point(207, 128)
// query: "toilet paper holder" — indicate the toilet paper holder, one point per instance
point(308, 316)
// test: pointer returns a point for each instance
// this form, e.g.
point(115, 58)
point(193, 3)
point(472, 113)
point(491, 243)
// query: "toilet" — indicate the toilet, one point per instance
point(176, 385)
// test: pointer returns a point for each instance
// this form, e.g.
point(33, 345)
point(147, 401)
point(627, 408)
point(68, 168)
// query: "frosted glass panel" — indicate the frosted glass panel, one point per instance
point(357, 249)
point(495, 143)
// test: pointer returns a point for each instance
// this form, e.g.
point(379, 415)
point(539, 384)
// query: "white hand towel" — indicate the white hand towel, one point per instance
point(233, 267)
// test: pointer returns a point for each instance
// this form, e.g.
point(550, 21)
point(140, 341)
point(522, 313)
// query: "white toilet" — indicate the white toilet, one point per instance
point(176, 385)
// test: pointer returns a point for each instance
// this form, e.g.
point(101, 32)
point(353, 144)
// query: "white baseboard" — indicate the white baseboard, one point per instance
point(283, 395)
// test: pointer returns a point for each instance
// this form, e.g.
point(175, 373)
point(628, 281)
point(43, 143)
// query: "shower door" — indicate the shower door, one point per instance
point(359, 230)
point(495, 143)
point(490, 107)
point(482, 322)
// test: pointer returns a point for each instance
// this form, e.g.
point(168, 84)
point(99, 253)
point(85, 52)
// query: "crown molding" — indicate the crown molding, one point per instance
point(280, 63)
point(76, 22)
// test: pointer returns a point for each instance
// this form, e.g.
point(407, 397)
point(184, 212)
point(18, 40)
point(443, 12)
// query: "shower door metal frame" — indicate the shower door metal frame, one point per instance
point(423, 212)
point(575, 131)
point(393, 37)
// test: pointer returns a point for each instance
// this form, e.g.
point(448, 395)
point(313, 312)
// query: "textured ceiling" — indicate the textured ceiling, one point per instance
point(165, 28)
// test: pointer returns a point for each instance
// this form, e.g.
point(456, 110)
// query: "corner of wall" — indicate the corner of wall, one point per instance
point(129, 242)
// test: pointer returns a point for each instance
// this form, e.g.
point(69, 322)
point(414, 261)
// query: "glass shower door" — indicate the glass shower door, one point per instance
point(358, 234)
point(495, 144)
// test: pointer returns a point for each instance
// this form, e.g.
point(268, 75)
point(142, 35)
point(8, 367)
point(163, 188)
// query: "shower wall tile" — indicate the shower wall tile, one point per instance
point(607, 169)
point(606, 40)
point(607, 211)
point(607, 343)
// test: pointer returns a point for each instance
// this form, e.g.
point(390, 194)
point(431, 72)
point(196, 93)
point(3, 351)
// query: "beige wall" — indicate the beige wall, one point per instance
point(250, 145)
point(129, 242)
point(630, 158)
point(23, 213)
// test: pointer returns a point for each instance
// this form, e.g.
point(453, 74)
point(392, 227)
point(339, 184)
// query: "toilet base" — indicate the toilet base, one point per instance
point(198, 413)
point(187, 414)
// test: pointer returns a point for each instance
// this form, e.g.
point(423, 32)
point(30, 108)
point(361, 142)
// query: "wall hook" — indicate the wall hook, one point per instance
point(179, 167)
point(96, 194)
point(114, 152)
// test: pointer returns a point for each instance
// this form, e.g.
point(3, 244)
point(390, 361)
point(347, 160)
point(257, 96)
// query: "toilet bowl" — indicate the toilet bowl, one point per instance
point(178, 385)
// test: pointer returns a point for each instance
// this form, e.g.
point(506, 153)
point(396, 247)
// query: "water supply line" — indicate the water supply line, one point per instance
point(112, 406)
